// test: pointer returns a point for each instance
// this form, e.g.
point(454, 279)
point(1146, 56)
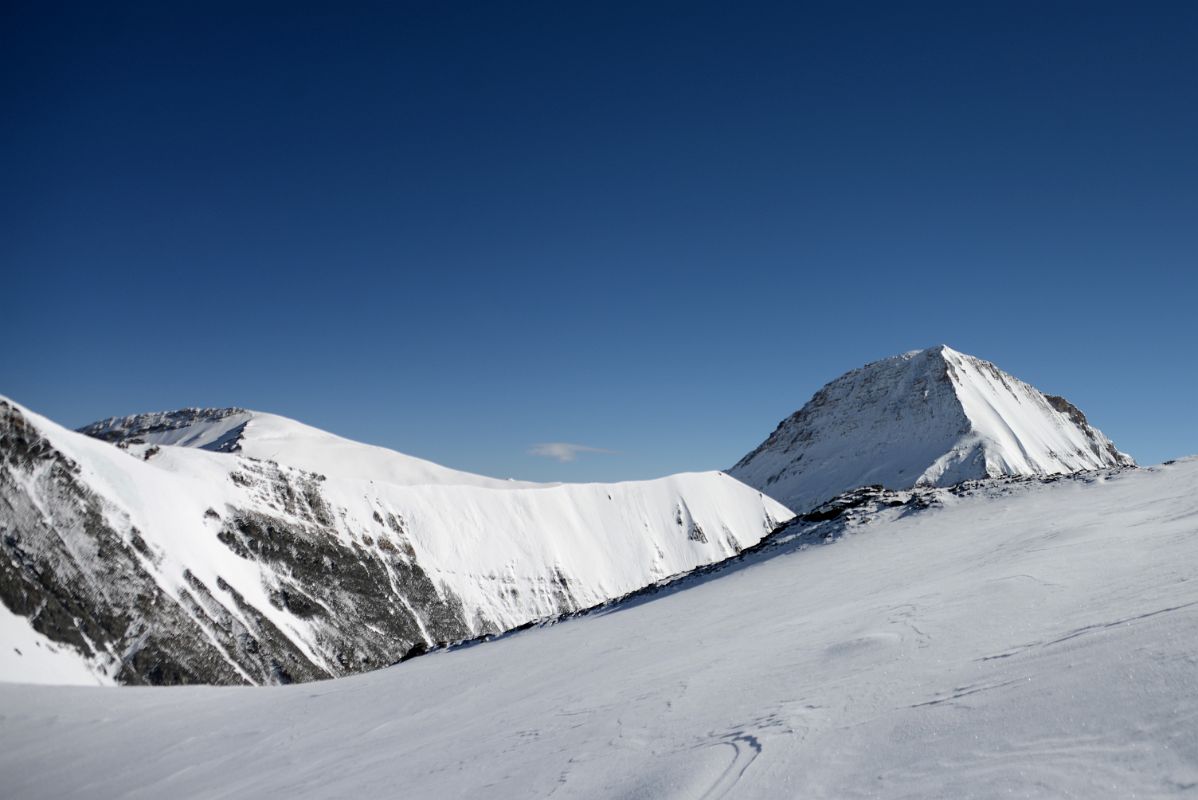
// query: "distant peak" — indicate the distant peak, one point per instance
point(934, 416)
point(209, 428)
point(175, 419)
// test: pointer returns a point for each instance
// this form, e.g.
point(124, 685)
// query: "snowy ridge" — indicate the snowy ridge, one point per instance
point(299, 554)
point(931, 417)
point(273, 438)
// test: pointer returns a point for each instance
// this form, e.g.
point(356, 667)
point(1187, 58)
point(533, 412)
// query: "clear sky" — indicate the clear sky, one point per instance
point(464, 230)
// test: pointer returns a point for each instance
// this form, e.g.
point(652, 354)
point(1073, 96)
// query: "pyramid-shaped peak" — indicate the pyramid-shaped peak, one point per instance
point(926, 417)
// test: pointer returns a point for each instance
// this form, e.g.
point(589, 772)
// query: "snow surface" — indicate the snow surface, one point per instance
point(28, 656)
point(1038, 644)
point(931, 417)
point(503, 547)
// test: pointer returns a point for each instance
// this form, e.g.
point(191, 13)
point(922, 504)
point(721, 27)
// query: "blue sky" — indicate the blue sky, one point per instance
point(650, 229)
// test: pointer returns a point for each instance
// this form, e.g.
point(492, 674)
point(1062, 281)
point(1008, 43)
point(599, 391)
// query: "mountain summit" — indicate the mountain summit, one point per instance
point(931, 417)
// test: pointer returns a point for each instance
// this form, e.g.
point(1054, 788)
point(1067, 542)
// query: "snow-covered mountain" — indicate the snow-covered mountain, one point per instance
point(231, 546)
point(1015, 638)
point(931, 417)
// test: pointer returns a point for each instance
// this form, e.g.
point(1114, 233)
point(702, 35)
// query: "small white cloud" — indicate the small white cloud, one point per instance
point(563, 451)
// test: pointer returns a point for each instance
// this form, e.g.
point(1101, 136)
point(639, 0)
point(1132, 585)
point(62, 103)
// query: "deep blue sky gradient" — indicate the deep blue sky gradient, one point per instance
point(462, 229)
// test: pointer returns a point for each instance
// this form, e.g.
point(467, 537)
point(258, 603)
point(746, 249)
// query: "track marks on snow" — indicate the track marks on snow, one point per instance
point(746, 747)
point(1085, 631)
point(964, 691)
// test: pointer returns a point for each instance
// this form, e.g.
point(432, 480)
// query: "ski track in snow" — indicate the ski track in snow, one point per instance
point(1038, 644)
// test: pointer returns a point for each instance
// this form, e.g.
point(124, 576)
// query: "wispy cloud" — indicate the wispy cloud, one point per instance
point(564, 451)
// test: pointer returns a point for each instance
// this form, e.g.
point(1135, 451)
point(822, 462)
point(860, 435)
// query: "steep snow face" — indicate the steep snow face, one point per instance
point(1038, 640)
point(931, 417)
point(233, 546)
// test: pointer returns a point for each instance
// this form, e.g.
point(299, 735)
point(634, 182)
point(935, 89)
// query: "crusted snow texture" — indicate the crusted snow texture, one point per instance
point(931, 417)
point(230, 546)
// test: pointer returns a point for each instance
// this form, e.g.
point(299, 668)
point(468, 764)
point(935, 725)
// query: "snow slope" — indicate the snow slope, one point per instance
point(34, 658)
point(930, 417)
point(1030, 639)
point(253, 548)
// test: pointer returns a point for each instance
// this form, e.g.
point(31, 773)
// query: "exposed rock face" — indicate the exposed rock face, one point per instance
point(163, 551)
point(933, 417)
point(83, 583)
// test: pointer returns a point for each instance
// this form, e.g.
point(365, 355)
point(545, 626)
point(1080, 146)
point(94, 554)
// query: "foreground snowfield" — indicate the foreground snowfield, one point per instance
point(1040, 644)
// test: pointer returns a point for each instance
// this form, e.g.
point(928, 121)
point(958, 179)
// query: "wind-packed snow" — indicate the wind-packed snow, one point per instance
point(931, 417)
point(1038, 643)
point(507, 550)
